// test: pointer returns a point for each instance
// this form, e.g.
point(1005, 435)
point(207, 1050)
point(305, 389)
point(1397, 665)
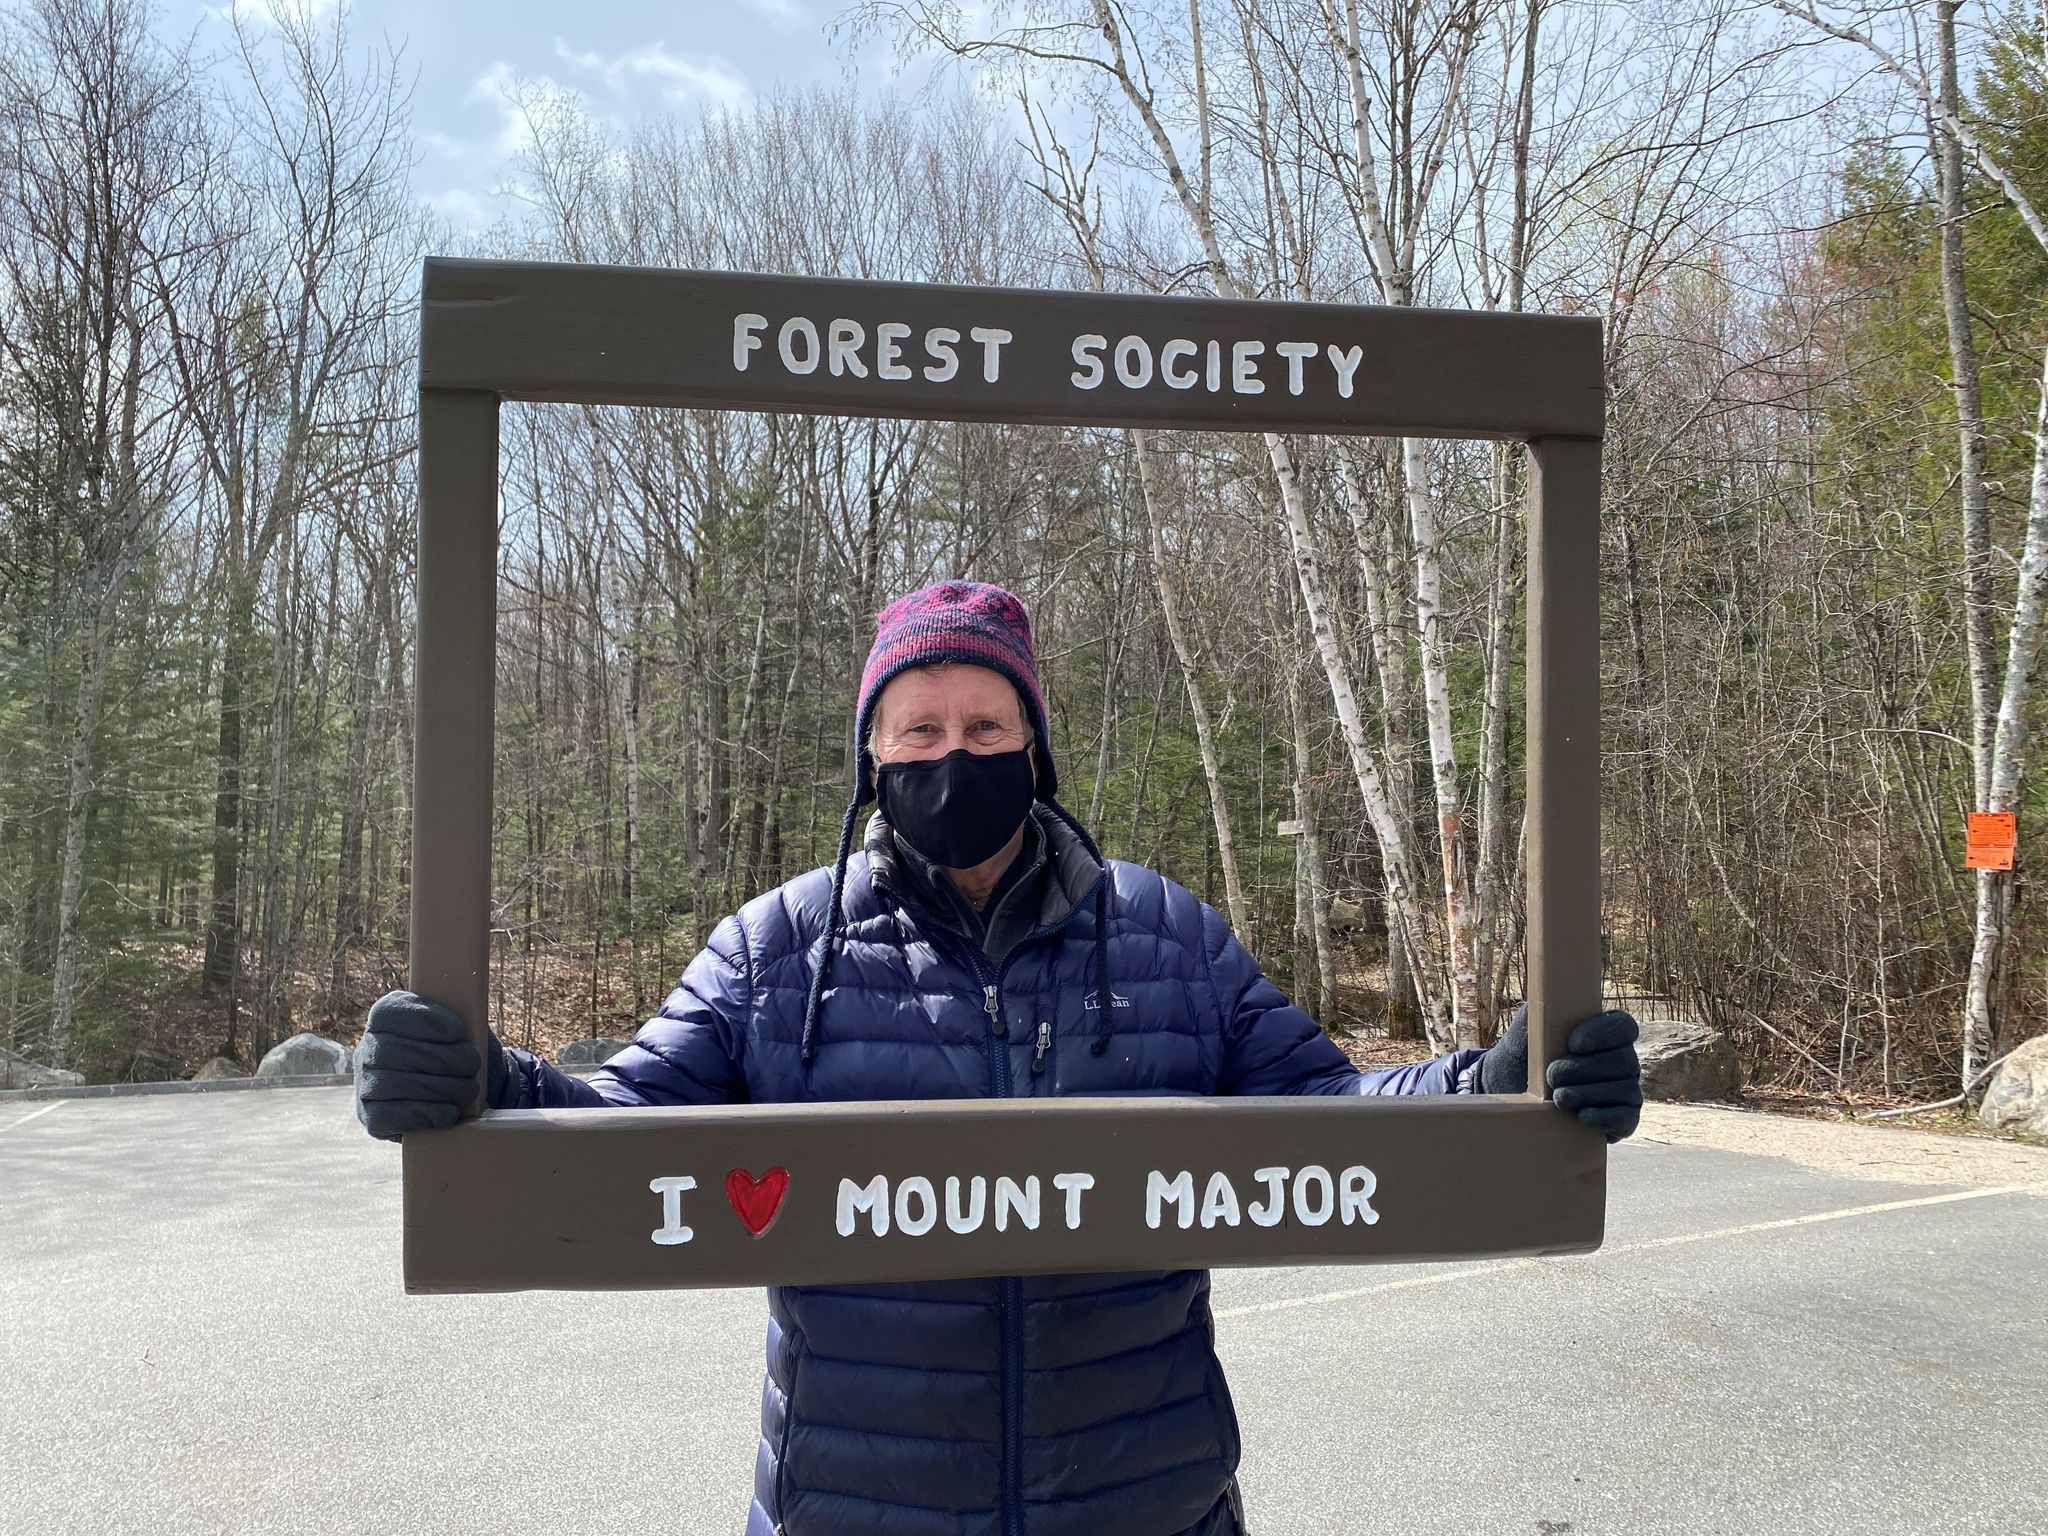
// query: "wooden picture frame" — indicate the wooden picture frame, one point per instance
point(845, 1193)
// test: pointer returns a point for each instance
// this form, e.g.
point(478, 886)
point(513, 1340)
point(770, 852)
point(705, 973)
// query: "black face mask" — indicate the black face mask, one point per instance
point(957, 810)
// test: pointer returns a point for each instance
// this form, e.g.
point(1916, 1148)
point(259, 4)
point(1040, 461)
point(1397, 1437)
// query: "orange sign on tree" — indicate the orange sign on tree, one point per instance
point(1992, 836)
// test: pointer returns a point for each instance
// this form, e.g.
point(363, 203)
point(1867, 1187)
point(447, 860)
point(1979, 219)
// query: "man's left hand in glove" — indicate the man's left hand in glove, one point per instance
point(1598, 1077)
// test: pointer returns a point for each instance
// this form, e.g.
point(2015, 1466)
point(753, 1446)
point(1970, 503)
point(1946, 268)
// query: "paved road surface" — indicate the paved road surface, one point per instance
point(201, 1329)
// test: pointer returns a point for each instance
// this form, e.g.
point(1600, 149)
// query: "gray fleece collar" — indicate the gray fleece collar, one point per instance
point(1074, 869)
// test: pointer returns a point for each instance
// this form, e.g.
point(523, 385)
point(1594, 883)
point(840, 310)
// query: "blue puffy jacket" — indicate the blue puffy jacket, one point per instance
point(1080, 1405)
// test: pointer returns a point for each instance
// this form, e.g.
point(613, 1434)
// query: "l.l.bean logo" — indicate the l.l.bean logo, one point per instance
point(1311, 1195)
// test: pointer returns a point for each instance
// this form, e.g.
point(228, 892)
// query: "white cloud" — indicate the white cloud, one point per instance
point(493, 83)
point(461, 208)
point(786, 11)
point(496, 88)
point(446, 145)
point(694, 78)
point(503, 103)
point(266, 13)
point(568, 55)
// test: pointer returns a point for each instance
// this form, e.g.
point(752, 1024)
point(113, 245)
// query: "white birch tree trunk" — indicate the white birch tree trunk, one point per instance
point(1411, 959)
point(630, 875)
point(1408, 957)
point(1461, 929)
point(1490, 892)
point(1998, 789)
point(1392, 266)
point(1294, 505)
point(1198, 704)
point(1404, 915)
point(1978, 602)
point(2008, 758)
point(1309, 853)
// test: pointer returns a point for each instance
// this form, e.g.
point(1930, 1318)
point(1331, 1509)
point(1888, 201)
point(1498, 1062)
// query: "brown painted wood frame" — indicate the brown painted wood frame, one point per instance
point(571, 1199)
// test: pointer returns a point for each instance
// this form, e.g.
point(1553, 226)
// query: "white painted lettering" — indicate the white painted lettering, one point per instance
point(1275, 1180)
point(1180, 1189)
point(672, 1231)
point(843, 341)
point(916, 1223)
point(1307, 1213)
point(1294, 352)
point(784, 339)
point(939, 342)
point(1171, 353)
point(1355, 1186)
point(992, 341)
point(1219, 1201)
point(914, 1205)
point(1071, 1184)
point(967, 1218)
point(1089, 374)
point(744, 340)
point(1133, 363)
point(888, 338)
point(1345, 361)
point(872, 1197)
point(1021, 1202)
point(1244, 367)
point(1214, 370)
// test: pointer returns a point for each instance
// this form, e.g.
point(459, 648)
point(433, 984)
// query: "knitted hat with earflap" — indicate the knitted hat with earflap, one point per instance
point(948, 621)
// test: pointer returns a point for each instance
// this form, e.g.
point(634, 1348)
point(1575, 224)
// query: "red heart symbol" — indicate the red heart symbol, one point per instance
point(757, 1200)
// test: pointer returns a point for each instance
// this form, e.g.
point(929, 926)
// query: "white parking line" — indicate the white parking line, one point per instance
point(1416, 1281)
point(32, 1114)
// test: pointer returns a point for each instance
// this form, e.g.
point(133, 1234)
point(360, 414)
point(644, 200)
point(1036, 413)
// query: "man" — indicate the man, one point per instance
point(978, 946)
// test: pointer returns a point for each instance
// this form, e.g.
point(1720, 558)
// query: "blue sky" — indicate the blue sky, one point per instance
point(626, 59)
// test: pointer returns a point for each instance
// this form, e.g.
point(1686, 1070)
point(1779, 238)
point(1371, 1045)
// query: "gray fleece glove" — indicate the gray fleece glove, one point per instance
point(1598, 1077)
point(416, 1066)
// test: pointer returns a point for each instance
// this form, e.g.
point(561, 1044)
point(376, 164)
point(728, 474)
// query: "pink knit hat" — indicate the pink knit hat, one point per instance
point(966, 621)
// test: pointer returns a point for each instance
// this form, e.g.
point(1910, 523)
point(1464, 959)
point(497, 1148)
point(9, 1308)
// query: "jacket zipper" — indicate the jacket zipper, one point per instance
point(1010, 1290)
point(1009, 1293)
point(1044, 1043)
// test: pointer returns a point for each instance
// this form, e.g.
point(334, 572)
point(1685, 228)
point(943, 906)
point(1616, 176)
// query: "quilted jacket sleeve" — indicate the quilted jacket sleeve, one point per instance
point(688, 1053)
point(1270, 1046)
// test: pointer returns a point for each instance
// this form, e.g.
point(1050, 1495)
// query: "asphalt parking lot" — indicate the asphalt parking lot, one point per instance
point(1815, 1329)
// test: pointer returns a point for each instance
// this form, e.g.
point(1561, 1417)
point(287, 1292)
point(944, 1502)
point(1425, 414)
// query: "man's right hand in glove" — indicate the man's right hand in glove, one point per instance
point(416, 1067)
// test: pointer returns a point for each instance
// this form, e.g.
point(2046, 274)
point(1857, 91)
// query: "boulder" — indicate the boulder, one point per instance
point(306, 1055)
point(588, 1053)
point(2017, 1098)
point(20, 1072)
point(218, 1068)
point(1687, 1060)
point(150, 1064)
